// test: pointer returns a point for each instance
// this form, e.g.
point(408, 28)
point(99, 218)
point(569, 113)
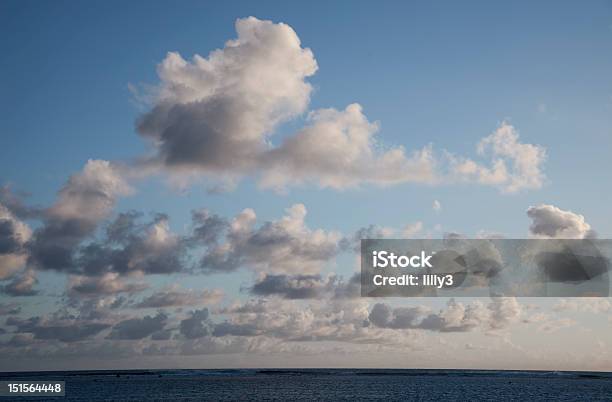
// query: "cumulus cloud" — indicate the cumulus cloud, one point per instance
point(457, 317)
point(22, 284)
point(514, 165)
point(106, 284)
point(353, 242)
point(286, 245)
point(176, 297)
point(197, 325)
point(14, 202)
point(87, 198)
point(595, 305)
point(133, 247)
point(504, 311)
point(9, 308)
point(293, 286)
point(412, 229)
point(13, 237)
point(337, 149)
point(215, 113)
point(138, 328)
point(216, 116)
point(549, 221)
point(436, 206)
point(64, 331)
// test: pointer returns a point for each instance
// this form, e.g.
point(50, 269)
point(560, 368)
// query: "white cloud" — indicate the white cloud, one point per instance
point(91, 194)
point(436, 206)
point(549, 221)
point(412, 229)
point(215, 116)
point(514, 165)
point(338, 150)
point(596, 305)
point(106, 284)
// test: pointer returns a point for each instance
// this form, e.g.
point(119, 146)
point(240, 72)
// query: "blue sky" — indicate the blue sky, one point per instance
point(438, 73)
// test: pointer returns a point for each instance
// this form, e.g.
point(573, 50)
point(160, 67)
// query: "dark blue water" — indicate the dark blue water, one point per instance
point(325, 384)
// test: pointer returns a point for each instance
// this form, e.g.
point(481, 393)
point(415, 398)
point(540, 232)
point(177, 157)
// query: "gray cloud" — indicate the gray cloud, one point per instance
point(293, 286)
point(197, 325)
point(134, 247)
point(108, 283)
point(457, 317)
point(353, 242)
point(138, 328)
point(20, 340)
point(65, 332)
point(14, 202)
point(175, 297)
point(575, 262)
point(9, 309)
point(82, 203)
point(207, 227)
point(283, 246)
point(22, 284)
point(235, 329)
point(13, 237)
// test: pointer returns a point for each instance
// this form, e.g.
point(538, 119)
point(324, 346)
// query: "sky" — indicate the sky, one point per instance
point(183, 185)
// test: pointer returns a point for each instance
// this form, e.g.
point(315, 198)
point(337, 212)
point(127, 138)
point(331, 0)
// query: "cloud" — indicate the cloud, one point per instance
point(207, 227)
point(107, 284)
point(595, 305)
point(14, 202)
point(214, 114)
point(338, 150)
point(22, 284)
point(72, 331)
point(286, 245)
point(197, 325)
point(549, 221)
point(572, 262)
point(138, 328)
point(369, 232)
point(9, 309)
point(504, 311)
point(234, 329)
point(436, 206)
point(457, 317)
point(576, 263)
point(514, 165)
point(87, 198)
point(13, 236)
point(412, 229)
point(293, 286)
point(20, 340)
point(175, 297)
point(132, 247)
point(556, 325)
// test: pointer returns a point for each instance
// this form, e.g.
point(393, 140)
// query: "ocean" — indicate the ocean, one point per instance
point(323, 385)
